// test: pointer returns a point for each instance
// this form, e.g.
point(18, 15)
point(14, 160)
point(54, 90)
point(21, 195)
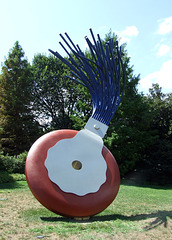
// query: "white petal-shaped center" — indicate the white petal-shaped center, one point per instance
point(76, 164)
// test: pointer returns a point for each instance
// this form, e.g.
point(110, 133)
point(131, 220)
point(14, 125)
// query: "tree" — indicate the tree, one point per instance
point(158, 157)
point(129, 132)
point(18, 127)
point(55, 96)
point(161, 106)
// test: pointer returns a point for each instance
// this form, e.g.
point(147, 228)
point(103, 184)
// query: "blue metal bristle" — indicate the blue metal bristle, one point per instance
point(104, 76)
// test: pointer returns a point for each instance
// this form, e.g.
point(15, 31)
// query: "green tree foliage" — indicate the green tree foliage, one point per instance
point(129, 131)
point(18, 127)
point(161, 106)
point(159, 152)
point(55, 96)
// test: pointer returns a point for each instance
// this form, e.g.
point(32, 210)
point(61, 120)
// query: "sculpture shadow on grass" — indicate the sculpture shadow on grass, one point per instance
point(159, 218)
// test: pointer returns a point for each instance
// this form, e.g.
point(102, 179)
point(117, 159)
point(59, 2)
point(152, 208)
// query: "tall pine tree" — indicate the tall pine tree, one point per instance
point(18, 128)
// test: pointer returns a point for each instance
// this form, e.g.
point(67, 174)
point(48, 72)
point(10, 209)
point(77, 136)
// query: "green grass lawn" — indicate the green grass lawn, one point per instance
point(136, 213)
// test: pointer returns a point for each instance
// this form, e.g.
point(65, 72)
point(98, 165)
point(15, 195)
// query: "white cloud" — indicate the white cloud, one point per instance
point(128, 33)
point(165, 26)
point(163, 50)
point(163, 77)
point(123, 40)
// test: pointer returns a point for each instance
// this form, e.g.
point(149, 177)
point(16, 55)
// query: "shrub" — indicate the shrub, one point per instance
point(6, 177)
point(13, 164)
point(6, 162)
point(19, 163)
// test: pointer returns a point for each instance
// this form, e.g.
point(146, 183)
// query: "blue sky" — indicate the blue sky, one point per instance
point(146, 27)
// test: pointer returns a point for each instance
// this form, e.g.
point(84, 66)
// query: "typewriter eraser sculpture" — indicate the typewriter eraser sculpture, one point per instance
point(71, 172)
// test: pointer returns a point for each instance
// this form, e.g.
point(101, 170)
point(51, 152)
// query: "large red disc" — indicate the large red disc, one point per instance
point(52, 197)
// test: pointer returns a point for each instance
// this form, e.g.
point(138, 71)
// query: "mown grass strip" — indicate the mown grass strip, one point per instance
point(136, 211)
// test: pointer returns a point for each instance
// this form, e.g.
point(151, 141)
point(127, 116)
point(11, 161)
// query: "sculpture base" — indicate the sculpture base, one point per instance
point(81, 218)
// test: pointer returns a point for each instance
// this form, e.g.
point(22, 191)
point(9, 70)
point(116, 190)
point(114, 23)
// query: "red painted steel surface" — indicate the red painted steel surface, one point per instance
point(52, 197)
